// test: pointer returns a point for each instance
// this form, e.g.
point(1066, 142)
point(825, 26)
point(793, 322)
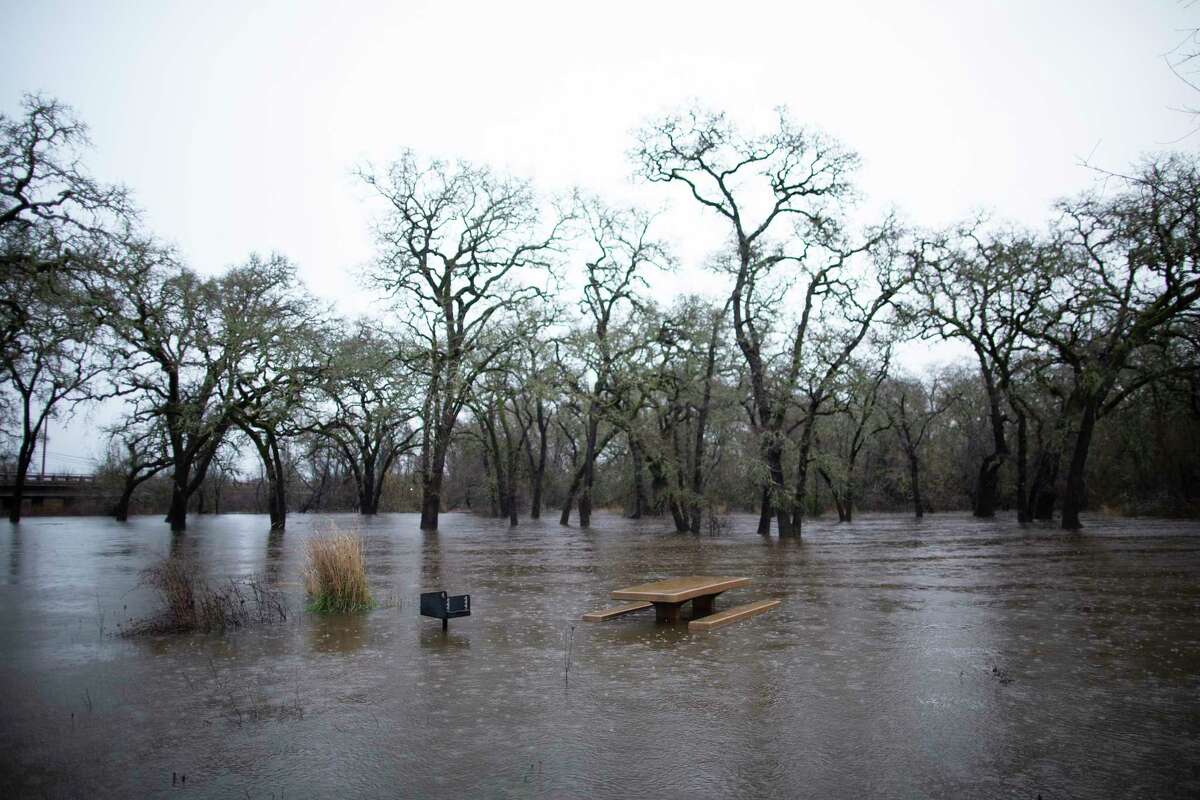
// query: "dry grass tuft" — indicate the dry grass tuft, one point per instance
point(191, 604)
point(336, 575)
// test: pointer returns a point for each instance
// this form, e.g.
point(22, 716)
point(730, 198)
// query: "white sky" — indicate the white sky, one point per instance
point(237, 124)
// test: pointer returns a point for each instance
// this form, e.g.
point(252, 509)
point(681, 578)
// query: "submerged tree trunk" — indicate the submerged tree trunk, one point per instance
point(1022, 467)
point(838, 501)
point(177, 511)
point(589, 472)
point(1075, 498)
point(639, 478)
point(988, 483)
point(569, 501)
point(267, 445)
point(433, 469)
point(537, 467)
point(1042, 494)
point(987, 486)
point(765, 512)
point(24, 459)
point(779, 500)
point(802, 462)
point(431, 501)
point(120, 510)
point(680, 517)
point(914, 477)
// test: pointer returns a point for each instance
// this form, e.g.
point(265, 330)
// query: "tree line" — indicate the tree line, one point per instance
point(524, 360)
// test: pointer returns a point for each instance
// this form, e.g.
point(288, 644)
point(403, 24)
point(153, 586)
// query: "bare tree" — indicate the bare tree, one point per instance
point(618, 251)
point(691, 358)
point(1127, 286)
point(365, 405)
point(782, 194)
point(48, 360)
point(912, 406)
point(182, 344)
point(139, 452)
point(263, 305)
point(857, 420)
point(459, 251)
point(54, 219)
point(981, 287)
point(536, 405)
point(42, 180)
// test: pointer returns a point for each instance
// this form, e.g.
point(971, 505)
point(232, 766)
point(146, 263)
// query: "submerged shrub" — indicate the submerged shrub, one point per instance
point(192, 604)
point(336, 575)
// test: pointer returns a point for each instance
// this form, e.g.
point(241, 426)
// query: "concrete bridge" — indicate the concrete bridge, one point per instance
point(49, 493)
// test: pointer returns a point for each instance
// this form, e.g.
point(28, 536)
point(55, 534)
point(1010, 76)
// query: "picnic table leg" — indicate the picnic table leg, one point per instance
point(702, 606)
point(667, 612)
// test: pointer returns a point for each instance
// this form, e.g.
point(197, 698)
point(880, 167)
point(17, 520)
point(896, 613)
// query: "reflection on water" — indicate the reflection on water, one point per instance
point(337, 633)
point(939, 658)
point(434, 638)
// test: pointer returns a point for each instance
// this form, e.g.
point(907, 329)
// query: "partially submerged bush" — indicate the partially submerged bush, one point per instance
point(336, 576)
point(191, 604)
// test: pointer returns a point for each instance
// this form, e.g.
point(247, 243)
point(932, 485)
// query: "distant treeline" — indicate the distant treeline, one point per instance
point(524, 368)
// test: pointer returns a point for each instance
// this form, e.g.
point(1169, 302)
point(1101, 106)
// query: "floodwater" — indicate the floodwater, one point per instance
point(945, 658)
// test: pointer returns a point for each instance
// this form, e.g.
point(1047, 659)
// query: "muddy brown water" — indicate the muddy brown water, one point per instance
point(945, 658)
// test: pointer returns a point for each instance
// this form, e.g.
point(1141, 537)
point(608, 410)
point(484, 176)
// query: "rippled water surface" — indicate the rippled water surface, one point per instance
point(944, 658)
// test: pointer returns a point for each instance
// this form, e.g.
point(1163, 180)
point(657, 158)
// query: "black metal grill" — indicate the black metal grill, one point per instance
point(443, 606)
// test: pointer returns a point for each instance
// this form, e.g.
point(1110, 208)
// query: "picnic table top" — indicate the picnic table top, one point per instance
point(678, 590)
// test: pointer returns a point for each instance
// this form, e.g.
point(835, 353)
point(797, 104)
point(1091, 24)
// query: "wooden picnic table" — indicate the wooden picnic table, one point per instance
point(669, 595)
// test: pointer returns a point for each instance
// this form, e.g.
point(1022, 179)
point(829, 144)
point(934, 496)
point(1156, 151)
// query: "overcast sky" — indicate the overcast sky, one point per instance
point(237, 124)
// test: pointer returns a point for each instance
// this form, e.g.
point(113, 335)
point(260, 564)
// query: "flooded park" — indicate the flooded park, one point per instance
point(949, 657)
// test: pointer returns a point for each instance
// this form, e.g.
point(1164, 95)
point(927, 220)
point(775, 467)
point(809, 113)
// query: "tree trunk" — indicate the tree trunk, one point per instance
point(368, 502)
point(24, 459)
point(510, 498)
point(433, 468)
point(267, 445)
point(914, 476)
point(660, 486)
point(778, 499)
point(537, 471)
point(1042, 494)
point(698, 481)
point(838, 501)
point(177, 512)
point(512, 503)
point(1022, 467)
point(489, 476)
point(988, 482)
point(805, 450)
point(639, 478)
point(589, 474)
point(431, 500)
point(765, 512)
point(276, 484)
point(500, 480)
point(1042, 491)
point(1075, 498)
point(535, 491)
point(987, 486)
point(679, 516)
point(120, 510)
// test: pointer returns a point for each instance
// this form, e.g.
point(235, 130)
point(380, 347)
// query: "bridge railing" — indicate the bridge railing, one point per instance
point(46, 477)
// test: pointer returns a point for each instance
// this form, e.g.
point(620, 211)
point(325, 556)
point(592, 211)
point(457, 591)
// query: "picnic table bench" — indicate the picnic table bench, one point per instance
point(669, 596)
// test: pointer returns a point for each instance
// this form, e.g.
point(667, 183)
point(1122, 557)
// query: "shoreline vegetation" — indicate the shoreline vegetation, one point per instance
point(520, 363)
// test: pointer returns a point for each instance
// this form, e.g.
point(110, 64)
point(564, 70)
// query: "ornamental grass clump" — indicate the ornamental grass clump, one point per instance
point(336, 577)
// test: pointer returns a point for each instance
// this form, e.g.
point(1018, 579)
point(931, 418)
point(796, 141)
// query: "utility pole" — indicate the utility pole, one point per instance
point(45, 438)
